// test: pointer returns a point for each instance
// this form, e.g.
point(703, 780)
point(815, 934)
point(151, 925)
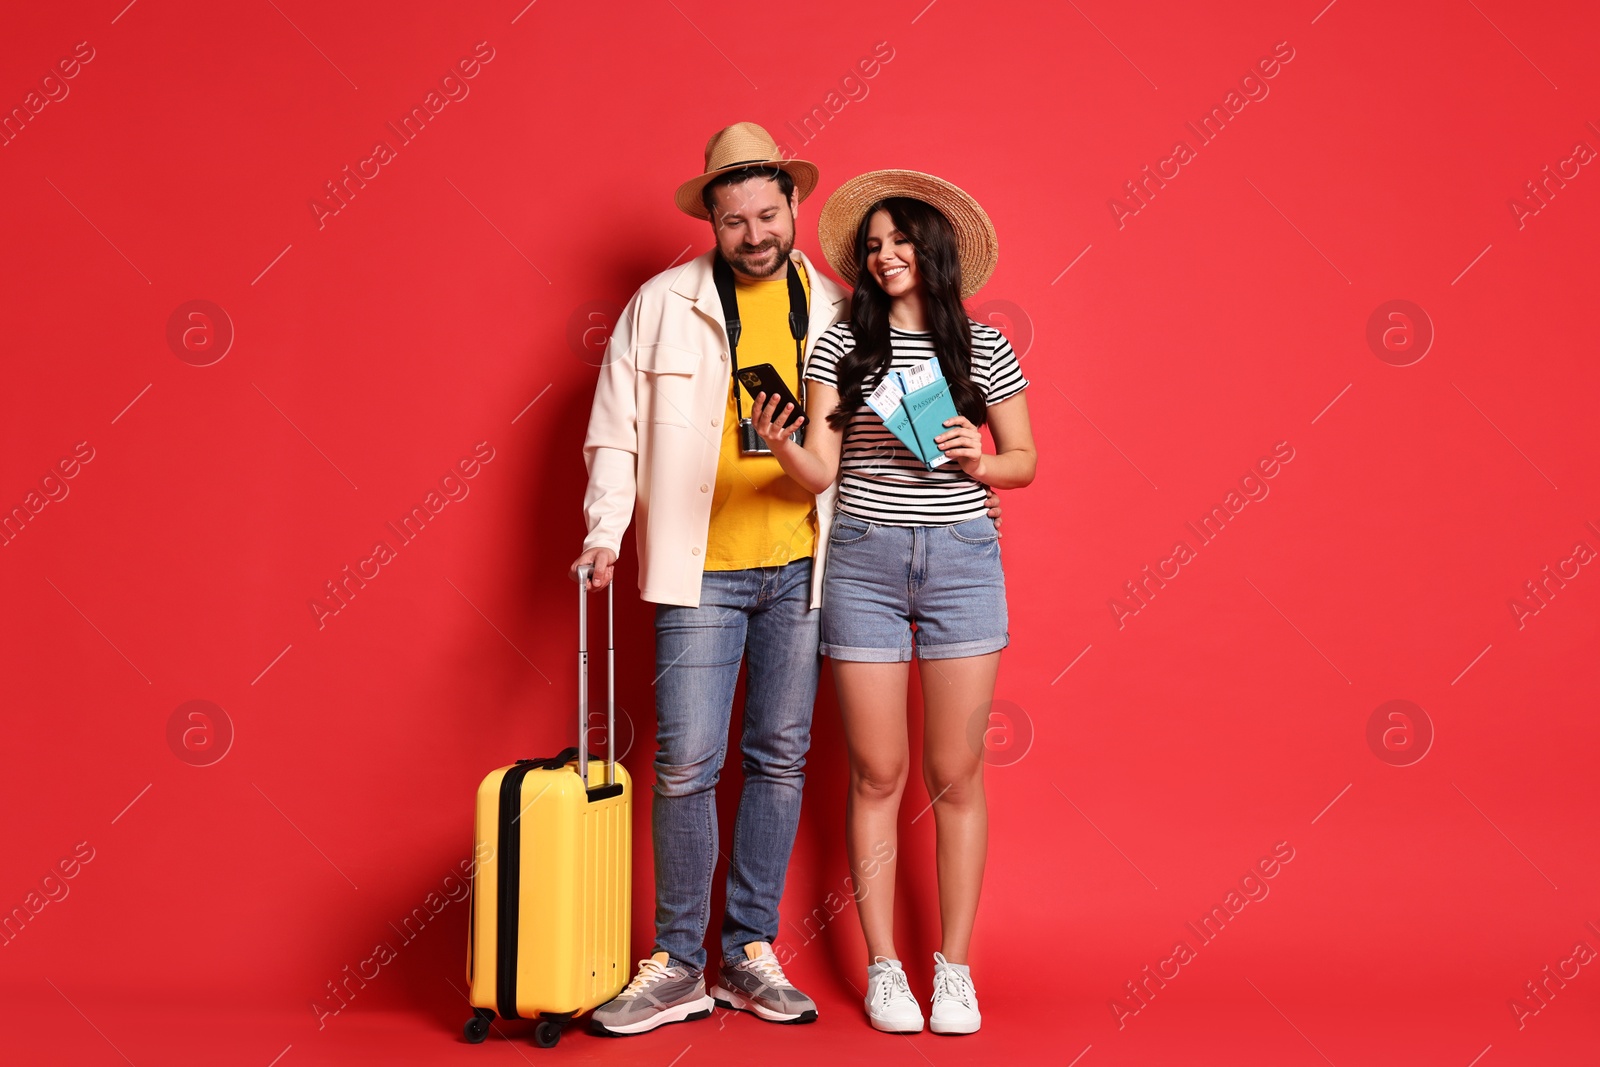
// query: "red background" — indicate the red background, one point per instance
point(375, 351)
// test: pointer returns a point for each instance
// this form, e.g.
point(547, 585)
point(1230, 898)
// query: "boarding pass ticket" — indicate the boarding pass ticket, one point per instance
point(924, 373)
point(885, 399)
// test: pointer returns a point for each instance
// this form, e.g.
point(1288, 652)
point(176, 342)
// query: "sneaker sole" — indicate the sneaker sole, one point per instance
point(889, 1028)
point(955, 1029)
point(688, 1011)
point(727, 998)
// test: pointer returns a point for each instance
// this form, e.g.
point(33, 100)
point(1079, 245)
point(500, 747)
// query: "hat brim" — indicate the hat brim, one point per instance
point(688, 194)
point(977, 245)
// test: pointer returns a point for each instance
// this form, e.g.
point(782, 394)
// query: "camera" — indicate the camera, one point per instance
point(752, 444)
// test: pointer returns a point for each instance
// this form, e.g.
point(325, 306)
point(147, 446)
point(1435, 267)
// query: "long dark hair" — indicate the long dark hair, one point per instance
point(864, 366)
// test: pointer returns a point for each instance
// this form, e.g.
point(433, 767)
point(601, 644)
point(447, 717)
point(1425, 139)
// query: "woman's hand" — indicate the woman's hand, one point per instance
point(774, 425)
point(963, 443)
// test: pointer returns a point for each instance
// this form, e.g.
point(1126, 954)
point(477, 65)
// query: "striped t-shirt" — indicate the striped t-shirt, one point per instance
point(883, 481)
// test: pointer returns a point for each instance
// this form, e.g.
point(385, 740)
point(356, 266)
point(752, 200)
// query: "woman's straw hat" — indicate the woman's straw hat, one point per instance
point(744, 144)
point(976, 243)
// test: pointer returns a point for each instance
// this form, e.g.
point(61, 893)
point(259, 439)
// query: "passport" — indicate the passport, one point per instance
point(913, 405)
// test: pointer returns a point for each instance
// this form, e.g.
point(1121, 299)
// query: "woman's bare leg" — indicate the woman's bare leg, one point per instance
point(953, 692)
point(872, 701)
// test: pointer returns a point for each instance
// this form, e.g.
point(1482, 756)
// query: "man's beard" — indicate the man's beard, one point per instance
point(749, 261)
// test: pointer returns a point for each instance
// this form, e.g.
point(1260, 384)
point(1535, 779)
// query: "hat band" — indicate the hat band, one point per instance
point(752, 162)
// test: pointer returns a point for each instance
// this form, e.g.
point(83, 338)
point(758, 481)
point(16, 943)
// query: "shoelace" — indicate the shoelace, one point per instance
point(651, 971)
point(770, 970)
point(892, 986)
point(952, 984)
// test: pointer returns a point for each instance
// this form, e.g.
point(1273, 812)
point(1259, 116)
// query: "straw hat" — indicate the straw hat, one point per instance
point(744, 144)
point(976, 243)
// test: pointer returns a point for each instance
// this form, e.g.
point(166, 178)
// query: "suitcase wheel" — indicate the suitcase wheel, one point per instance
point(547, 1033)
point(477, 1027)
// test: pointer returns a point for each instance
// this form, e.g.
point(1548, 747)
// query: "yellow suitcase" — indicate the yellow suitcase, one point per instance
point(548, 930)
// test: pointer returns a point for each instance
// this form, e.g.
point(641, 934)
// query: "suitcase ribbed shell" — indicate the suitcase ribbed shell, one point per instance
point(572, 901)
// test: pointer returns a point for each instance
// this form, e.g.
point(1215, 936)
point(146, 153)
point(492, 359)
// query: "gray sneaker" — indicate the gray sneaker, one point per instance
point(662, 992)
point(756, 984)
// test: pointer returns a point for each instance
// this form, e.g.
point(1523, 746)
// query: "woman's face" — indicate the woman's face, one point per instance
point(891, 260)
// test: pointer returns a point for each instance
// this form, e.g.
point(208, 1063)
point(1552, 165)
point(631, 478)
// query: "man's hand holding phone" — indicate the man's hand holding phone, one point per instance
point(775, 421)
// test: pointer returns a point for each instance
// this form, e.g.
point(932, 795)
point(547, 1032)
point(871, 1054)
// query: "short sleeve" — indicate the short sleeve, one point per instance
point(825, 355)
point(1005, 372)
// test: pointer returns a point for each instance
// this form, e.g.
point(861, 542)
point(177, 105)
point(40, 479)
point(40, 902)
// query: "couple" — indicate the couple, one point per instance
point(758, 548)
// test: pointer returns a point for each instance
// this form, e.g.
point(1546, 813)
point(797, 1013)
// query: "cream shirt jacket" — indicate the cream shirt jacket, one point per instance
point(655, 429)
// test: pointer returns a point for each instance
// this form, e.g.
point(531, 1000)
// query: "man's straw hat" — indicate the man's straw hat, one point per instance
point(744, 144)
point(976, 243)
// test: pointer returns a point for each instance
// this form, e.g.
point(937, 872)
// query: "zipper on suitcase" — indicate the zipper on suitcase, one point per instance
point(510, 879)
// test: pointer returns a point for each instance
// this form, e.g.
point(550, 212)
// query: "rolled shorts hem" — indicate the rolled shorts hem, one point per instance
point(949, 650)
point(958, 649)
point(854, 654)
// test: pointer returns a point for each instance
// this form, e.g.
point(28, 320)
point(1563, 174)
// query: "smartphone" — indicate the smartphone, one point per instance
point(764, 378)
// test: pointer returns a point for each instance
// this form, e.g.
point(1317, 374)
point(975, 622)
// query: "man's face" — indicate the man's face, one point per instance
point(754, 226)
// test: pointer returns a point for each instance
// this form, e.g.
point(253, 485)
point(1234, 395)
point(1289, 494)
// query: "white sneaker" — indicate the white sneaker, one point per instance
point(890, 1005)
point(955, 1002)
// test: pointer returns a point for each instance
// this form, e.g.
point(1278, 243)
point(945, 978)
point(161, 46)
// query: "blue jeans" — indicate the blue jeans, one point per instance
point(763, 616)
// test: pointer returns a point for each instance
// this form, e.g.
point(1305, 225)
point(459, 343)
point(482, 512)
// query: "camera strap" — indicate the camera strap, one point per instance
point(799, 317)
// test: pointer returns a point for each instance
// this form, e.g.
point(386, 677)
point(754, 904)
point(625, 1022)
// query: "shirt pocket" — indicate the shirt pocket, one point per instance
point(666, 384)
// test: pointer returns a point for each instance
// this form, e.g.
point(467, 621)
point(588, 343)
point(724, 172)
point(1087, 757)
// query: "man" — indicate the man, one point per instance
point(731, 551)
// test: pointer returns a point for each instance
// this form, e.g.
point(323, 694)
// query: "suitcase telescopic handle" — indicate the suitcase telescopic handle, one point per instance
point(586, 572)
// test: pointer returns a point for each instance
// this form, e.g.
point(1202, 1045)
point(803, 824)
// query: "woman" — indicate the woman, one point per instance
point(911, 545)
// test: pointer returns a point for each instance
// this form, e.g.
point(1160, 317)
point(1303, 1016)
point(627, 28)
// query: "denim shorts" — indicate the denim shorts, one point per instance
point(880, 579)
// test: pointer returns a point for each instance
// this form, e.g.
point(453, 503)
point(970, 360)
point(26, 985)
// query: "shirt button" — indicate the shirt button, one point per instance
point(694, 551)
point(705, 488)
point(715, 422)
point(724, 357)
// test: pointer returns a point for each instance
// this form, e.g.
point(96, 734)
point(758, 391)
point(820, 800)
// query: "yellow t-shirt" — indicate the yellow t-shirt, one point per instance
point(760, 517)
